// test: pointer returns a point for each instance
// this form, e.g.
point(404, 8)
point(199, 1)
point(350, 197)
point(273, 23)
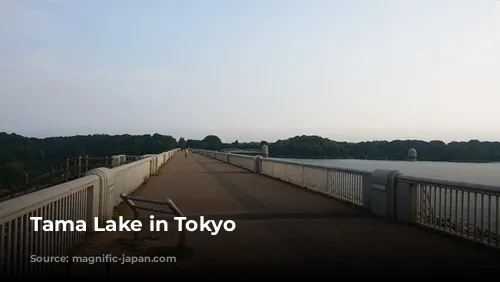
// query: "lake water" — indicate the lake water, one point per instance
point(481, 173)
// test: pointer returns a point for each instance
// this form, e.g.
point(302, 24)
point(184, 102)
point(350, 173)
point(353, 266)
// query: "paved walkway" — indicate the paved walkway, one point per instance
point(281, 229)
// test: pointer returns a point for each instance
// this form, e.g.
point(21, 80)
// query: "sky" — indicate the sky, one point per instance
point(350, 70)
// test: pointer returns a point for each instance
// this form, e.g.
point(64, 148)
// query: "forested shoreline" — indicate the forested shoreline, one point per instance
point(20, 155)
point(316, 147)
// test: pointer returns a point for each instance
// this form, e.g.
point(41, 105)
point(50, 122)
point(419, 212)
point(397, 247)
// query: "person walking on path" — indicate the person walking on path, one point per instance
point(185, 153)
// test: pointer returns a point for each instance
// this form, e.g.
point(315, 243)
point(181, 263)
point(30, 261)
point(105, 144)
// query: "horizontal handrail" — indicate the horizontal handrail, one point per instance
point(343, 169)
point(131, 165)
point(357, 171)
point(241, 156)
point(450, 184)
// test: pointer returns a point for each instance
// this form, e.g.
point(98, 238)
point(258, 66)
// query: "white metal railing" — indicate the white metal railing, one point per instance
point(80, 199)
point(339, 183)
point(467, 210)
point(18, 241)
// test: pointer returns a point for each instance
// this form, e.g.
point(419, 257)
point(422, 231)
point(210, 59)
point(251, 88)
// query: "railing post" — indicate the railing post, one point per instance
point(91, 208)
point(123, 159)
point(115, 161)
point(26, 184)
point(303, 176)
point(66, 172)
point(79, 166)
point(405, 201)
point(86, 163)
point(37, 181)
point(383, 193)
point(51, 175)
point(105, 197)
point(367, 188)
point(258, 164)
point(61, 170)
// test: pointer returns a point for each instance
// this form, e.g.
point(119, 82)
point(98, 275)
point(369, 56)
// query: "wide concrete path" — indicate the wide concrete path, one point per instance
point(284, 230)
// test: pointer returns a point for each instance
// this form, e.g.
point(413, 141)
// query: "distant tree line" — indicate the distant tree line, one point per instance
point(20, 155)
point(323, 148)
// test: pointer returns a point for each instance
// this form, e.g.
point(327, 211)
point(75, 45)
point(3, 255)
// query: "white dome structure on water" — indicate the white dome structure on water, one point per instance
point(412, 154)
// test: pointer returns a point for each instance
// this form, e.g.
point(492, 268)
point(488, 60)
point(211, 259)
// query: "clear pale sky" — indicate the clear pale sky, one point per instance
point(252, 70)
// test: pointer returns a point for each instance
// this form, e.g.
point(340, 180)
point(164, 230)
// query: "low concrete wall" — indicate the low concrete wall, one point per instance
point(246, 162)
point(130, 176)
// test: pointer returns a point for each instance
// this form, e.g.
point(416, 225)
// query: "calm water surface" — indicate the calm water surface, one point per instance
point(482, 173)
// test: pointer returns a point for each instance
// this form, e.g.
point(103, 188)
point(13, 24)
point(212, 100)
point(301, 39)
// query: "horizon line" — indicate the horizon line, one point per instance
point(252, 141)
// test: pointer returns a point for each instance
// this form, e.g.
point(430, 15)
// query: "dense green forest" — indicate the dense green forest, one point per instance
point(20, 155)
point(318, 147)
